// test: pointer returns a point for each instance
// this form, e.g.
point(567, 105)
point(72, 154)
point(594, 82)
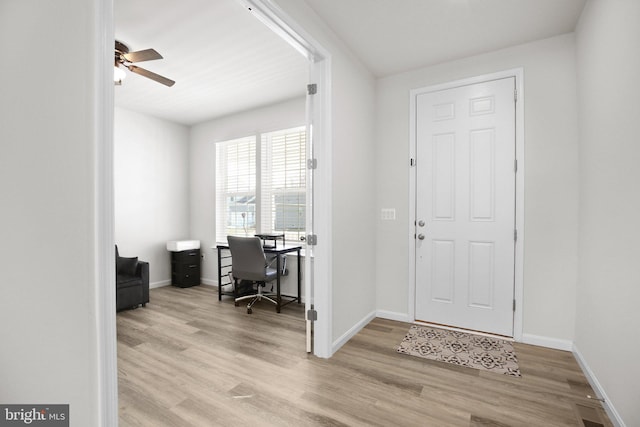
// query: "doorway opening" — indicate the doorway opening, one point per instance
point(318, 111)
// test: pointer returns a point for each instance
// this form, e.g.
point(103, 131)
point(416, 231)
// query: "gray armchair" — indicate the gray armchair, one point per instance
point(249, 264)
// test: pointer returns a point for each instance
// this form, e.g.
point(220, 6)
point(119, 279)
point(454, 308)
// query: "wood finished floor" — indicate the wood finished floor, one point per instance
point(189, 360)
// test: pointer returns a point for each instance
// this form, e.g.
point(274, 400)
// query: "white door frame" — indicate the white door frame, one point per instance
point(320, 73)
point(104, 239)
point(518, 73)
point(320, 69)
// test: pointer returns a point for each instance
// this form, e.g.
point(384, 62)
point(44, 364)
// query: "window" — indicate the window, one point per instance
point(236, 188)
point(263, 193)
point(283, 186)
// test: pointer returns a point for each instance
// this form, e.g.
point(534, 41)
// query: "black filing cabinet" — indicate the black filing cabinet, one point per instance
point(185, 268)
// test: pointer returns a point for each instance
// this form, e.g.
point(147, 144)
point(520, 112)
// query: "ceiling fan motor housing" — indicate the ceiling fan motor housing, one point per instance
point(121, 49)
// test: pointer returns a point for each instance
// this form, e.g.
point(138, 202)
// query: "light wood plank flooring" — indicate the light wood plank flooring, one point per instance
point(189, 360)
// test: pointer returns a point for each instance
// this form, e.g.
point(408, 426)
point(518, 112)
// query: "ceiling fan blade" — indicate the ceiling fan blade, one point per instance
point(142, 55)
point(150, 75)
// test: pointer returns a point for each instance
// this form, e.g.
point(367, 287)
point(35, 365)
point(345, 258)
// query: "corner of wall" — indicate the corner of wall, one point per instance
point(342, 340)
point(597, 387)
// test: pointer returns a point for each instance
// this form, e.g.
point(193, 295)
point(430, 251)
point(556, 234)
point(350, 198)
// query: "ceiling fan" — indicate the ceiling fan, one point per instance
point(125, 58)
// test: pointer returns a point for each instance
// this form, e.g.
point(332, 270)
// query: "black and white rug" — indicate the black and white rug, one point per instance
point(462, 349)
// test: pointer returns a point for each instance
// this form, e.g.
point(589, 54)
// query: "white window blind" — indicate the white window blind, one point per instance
point(265, 193)
point(236, 188)
point(282, 185)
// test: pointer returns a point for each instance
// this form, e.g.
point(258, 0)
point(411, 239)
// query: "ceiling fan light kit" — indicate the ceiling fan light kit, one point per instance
point(118, 75)
point(126, 58)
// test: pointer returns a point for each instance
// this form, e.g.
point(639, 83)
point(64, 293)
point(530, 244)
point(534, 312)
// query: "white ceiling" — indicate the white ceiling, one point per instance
point(392, 36)
point(224, 60)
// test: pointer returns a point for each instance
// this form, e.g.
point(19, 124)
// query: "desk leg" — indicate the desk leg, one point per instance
point(278, 298)
point(219, 275)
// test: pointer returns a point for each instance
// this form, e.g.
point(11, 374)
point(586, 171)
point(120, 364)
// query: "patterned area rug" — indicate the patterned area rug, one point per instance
point(462, 349)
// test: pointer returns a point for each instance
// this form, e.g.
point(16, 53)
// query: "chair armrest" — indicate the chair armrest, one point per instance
point(142, 270)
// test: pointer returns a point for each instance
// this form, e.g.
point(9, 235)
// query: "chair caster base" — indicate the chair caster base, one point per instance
point(249, 311)
point(237, 304)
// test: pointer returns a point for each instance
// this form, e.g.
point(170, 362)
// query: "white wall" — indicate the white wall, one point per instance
point(551, 179)
point(49, 285)
point(352, 178)
point(354, 175)
point(607, 336)
point(151, 174)
point(202, 169)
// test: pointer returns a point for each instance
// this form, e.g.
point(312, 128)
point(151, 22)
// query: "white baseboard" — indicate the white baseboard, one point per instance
point(209, 282)
point(159, 284)
point(163, 283)
point(614, 416)
point(548, 342)
point(392, 315)
point(352, 332)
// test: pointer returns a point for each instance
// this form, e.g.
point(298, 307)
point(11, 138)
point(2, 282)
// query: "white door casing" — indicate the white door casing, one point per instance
point(309, 205)
point(317, 257)
point(465, 199)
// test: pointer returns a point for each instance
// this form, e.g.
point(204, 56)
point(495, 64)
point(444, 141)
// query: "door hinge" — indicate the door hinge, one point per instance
point(515, 165)
point(515, 235)
point(312, 315)
point(312, 239)
point(312, 163)
point(514, 305)
point(312, 89)
point(515, 95)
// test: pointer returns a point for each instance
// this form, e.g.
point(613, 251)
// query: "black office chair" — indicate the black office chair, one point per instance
point(248, 263)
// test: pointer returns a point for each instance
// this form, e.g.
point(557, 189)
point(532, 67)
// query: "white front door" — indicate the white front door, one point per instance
point(465, 206)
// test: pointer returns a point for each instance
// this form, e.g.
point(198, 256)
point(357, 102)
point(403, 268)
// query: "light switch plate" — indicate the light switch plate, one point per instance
point(388, 214)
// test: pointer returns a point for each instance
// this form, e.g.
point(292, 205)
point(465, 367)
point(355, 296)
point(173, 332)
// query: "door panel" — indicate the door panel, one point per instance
point(482, 191)
point(443, 271)
point(465, 194)
point(444, 178)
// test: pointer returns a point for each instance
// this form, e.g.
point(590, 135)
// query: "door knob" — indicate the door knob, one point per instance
point(421, 236)
point(421, 223)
